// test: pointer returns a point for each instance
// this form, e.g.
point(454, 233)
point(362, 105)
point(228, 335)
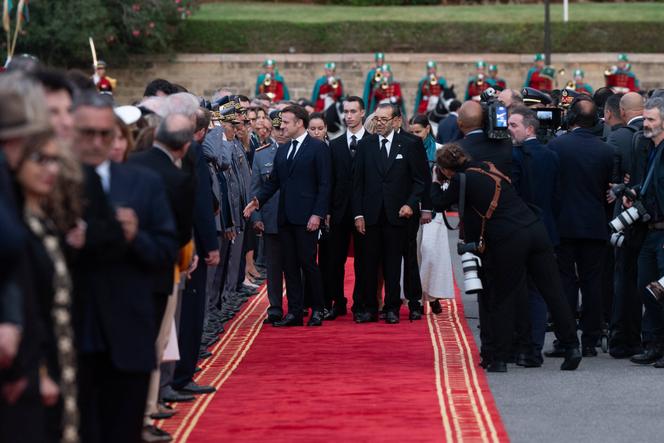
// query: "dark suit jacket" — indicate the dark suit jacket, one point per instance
point(342, 179)
point(586, 165)
point(483, 149)
point(621, 141)
point(387, 187)
point(448, 130)
point(304, 186)
point(179, 189)
point(536, 179)
point(118, 285)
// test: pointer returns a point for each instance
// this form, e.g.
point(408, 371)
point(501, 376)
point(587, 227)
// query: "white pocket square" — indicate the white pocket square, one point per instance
point(399, 157)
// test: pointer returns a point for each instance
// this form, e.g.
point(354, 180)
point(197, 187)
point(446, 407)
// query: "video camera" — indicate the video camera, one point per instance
point(549, 115)
point(495, 116)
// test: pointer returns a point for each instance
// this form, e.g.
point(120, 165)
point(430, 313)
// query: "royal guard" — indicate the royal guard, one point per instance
point(429, 89)
point(270, 82)
point(477, 83)
point(327, 90)
point(496, 82)
point(620, 78)
point(374, 76)
point(387, 91)
point(104, 83)
point(539, 76)
point(578, 84)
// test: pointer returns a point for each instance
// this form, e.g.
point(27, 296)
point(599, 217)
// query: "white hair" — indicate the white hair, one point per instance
point(182, 103)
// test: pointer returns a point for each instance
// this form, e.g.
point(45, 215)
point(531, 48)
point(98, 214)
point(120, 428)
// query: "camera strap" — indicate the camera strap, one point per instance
point(651, 171)
point(461, 205)
point(497, 177)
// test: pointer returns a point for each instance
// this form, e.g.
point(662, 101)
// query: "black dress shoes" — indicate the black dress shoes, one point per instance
point(196, 389)
point(659, 364)
point(329, 314)
point(435, 307)
point(391, 318)
point(528, 360)
point(624, 351)
point(152, 433)
point(288, 320)
point(205, 354)
point(316, 319)
point(366, 317)
point(271, 319)
point(497, 366)
point(162, 415)
point(589, 351)
point(572, 360)
point(415, 314)
point(647, 357)
point(170, 395)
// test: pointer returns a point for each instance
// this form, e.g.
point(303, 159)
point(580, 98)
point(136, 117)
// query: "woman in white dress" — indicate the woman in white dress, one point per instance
point(433, 245)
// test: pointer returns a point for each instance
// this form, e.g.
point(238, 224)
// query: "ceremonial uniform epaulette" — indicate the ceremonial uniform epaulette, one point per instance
point(260, 148)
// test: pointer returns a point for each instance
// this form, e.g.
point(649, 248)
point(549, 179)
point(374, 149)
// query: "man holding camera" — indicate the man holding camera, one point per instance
point(585, 172)
point(651, 256)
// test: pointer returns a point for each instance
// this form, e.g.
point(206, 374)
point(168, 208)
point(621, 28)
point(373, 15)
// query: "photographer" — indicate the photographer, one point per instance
point(512, 241)
point(651, 257)
point(477, 144)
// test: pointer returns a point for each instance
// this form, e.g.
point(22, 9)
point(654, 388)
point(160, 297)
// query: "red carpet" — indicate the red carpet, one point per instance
point(343, 382)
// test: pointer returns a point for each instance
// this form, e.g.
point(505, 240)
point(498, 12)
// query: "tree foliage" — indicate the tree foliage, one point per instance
point(58, 31)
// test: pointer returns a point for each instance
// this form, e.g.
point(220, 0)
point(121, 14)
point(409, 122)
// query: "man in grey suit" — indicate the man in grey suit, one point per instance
point(265, 222)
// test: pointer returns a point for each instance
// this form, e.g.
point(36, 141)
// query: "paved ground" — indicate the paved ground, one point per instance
point(605, 400)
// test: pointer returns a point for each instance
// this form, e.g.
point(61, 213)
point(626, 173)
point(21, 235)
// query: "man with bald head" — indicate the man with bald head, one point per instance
point(477, 144)
point(626, 313)
point(586, 165)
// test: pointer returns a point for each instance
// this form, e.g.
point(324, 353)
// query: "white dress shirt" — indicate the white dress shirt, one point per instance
point(389, 138)
point(104, 172)
point(300, 140)
point(358, 135)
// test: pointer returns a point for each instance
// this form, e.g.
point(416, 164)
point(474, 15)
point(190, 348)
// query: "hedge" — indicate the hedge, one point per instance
point(255, 36)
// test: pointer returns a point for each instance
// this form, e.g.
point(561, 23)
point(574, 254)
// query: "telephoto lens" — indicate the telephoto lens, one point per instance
point(656, 289)
point(471, 266)
point(624, 219)
point(617, 239)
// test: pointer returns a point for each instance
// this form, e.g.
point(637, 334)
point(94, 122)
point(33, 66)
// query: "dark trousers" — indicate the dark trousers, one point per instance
point(111, 402)
point(275, 274)
point(585, 258)
point(412, 285)
point(627, 305)
point(383, 242)
point(335, 271)
point(299, 248)
point(650, 269)
point(24, 421)
point(190, 332)
point(527, 253)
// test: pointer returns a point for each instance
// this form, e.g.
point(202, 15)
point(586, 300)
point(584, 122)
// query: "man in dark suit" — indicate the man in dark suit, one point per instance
point(477, 144)
point(388, 185)
point(343, 150)
point(302, 175)
point(423, 214)
point(114, 307)
point(586, 165)
point(535, 176)
point(448, 129)
point(625, 325)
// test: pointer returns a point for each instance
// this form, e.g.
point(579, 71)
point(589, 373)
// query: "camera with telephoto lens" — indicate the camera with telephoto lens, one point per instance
point(656, 289)
point(495, 116)
point(617, 239)
point(630, 215)
point(471, 264)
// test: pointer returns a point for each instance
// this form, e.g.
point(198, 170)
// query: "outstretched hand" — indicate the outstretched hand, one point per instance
point(250, 208)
